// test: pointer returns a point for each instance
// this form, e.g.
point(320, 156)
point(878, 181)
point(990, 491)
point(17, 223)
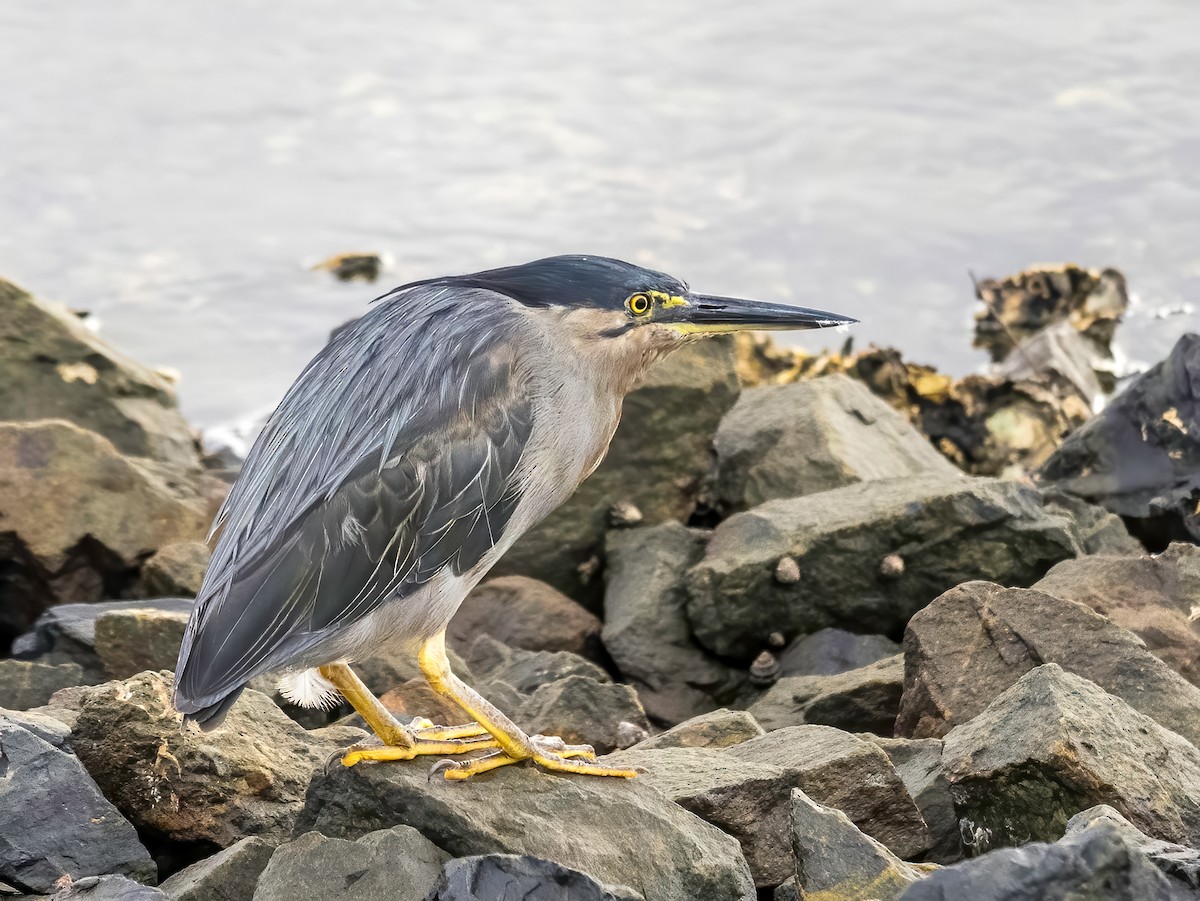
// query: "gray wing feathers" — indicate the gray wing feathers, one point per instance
point(377, 472)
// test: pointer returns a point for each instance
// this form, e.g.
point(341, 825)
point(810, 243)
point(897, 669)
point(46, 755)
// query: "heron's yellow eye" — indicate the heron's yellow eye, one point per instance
point(639, 304)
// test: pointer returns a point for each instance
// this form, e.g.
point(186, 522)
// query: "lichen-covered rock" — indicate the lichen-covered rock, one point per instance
point(582, 711)
point(784, 441)
point(175, 570)
point(834, 861)
point(1054, 744)
point(978, 639)
point(646, 629)
point(487, 877)
point(80, 517)
point(828, 652)
point(131, 641)
point(618, 831)
point(1156, 598)
point(54, 822)
point(861, 700)
point(528, 614)
point(228, 875)
point(715, 729)
point(658, 461)
point(946, 530)
point(25, 683)
point(397, 864)
point(247, 778)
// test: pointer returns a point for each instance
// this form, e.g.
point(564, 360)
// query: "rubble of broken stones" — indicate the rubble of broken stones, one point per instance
point(865, 631)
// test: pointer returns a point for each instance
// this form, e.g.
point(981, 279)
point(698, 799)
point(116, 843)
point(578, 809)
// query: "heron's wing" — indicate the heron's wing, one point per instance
point(433, 491)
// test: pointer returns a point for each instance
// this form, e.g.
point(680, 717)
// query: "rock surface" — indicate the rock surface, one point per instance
point(828, 652)
point(488, 877)
point(619, 832)
point(658, 462)
point(947, 531)
point(247, 778)
point(108, 888)
point(716, 729)
point(175, 570)
point(785, 441)
point(54, 822)
point(646, 630)
point(978, 639)
point(396, 864)
point(1067, 746)
point(1156, 598)
point(131, 641)
point(25, 684)
point(582, 711)
point(861, 700)
point(228, 875)
point(918, 763)
point(528, 614)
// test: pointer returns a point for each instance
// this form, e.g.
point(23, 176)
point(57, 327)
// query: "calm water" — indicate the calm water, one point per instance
point(175, 167)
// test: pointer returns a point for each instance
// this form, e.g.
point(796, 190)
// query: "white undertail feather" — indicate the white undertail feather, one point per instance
point(309, 688)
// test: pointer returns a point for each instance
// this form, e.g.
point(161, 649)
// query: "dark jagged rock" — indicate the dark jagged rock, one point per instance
point(1102, 856)
point(946, 530)
point(396, 864)
point(658, 461)
point(978, 639)
point(646, 628)
point(1140, 457)
point(582, 711)
point(528, 614)
point(828, 652)
point(247, 778)
point(54, 822)
point(228, 875)
point(865, 699)
point(25, 684)
point(918, 763)
point(835, 861)
point(1156, 598)
point(617, 831)
point(488, 877)
point(1054, 744)
point(716, 729)
point(785, 441)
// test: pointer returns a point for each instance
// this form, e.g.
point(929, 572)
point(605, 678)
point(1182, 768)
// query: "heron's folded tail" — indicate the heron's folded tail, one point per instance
point(210, 716)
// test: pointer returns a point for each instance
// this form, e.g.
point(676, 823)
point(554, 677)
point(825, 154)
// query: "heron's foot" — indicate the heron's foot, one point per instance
point(422, 742)
point(546, 751)
point(425, 729)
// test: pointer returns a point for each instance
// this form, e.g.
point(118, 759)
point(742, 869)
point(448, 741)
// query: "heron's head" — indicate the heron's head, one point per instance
point(625, 313)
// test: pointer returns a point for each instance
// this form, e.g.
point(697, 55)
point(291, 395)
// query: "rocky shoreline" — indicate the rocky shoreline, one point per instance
point(867, 631)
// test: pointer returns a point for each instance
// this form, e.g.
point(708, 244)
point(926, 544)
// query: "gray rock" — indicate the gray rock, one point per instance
point(1105, 861)
point(527, 671)
point(247, 778)
point(1178, 861)
point(976, 640)
point(582, 711)
point(132, 641)
point(108, 888)
point(175, 570)
point(25, 683)
point(787, 890)
point(488, 877)
point(1054, 744)
point(835, 860)
point(842, 771)
point(646, 629)
point(396, 864)
point(680, 403)
point(1156, 598)
point(54, 822)
point(947, 531)
point(784, 441)
point(918, 763)
point(618, 831)
point(828, 652)
point(861, 700)
point(1139, 457)
point(1100, 531)
point(1058, 355)
point(716, 729)
point(528, 614)
point(228, 875)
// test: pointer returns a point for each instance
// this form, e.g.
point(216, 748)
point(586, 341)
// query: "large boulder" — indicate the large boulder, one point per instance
point(146, 638)
point(828, 652)
point(936, 532)
point(861, 700)
point(583, 711)
point(228, 875)
point(646, 630)
point(487, 877)
point(1055, 744)
point(53, 367)
point(658, 461)
point(715, 729)
point(79, 517)
point(978, 639)
point(247, 778)
point(1140, 457)
point(783, 441)
point(617, 831)
point(1156, 598)
point(54, 822)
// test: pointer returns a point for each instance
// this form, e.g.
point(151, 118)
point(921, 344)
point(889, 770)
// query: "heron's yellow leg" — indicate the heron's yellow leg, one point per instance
point(514, 745)
point(399, 742)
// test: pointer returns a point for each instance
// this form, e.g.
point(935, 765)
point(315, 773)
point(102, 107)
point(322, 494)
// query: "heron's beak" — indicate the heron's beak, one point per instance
point(708, 314)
